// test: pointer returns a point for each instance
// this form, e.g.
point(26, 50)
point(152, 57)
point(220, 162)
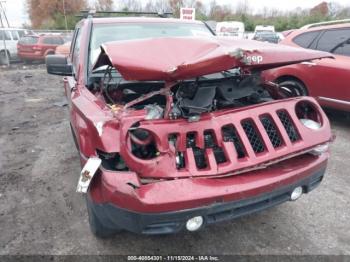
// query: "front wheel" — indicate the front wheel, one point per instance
point(293, 88)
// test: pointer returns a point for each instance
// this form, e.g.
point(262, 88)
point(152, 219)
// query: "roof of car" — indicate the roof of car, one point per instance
point(265, 33)
point(317, 28)
point(31, 35)
point(321, 27)
point(106, 20)
point(43, 35)
point(12, 28)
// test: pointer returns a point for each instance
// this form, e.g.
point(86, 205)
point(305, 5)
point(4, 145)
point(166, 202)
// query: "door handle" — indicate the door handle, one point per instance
point(308, 63)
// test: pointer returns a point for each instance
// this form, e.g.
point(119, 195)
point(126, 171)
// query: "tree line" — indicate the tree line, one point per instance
point(57, 14)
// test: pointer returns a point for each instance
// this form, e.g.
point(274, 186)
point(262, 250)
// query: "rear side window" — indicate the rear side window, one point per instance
point(58, 41)
point(343, 50)
point(5, 34)
point(53, 41)
point(20, 33)
point(28, 40)
point(306, 39)
point(14, 35)
point(331, 39)
point(47, 41)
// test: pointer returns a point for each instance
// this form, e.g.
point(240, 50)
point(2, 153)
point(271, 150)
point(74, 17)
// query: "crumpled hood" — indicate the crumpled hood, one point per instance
point(178, 58)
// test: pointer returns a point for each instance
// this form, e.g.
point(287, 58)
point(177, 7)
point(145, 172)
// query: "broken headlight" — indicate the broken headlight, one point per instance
point(308, 115)
point(143, 144)
point(112, 161)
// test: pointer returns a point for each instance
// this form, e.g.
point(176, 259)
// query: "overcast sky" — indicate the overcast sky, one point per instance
point(280, 4)
point(17, 13)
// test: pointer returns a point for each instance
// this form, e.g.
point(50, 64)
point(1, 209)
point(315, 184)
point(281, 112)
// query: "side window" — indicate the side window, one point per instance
point(60, 41)
point(14, 35)
point(20, 33)
point(305, 40)
point(331, 39)
point(47, 41)
point(5, 34)
point(57, 41)
point(76, 48)
point(53, 40)
point(343, 50)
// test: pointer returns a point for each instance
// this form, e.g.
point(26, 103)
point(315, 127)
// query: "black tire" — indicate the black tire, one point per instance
point(97, 228)
point(293, 88)
point(4, 59)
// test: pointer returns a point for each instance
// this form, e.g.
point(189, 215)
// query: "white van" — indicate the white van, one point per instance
point(8, 43)
point(268, 28)
point(232, 28)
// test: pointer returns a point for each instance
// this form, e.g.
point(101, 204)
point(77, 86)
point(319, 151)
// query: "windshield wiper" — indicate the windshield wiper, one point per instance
point(100, 69)
point(105, 70)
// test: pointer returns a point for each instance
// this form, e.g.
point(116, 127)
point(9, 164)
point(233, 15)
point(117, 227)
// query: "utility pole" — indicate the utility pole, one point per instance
point(3, 14)
point(2, 11)
point(64, 13)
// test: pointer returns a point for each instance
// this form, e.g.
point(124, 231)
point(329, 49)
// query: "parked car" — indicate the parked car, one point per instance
point(63, 49)
point(8, 42)
point(264, 28)
point(327, 79)
point(37, 47)
point(266, 36)
point(174, 133)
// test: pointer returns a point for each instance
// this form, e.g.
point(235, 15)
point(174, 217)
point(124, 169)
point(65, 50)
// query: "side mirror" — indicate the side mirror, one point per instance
point(58, 65)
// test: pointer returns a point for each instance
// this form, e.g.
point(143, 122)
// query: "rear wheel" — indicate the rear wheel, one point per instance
point(97, 227)
point(4, 58)
point(293, 88)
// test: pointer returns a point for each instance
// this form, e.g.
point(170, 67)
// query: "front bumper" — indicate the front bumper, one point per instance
point(214, 199)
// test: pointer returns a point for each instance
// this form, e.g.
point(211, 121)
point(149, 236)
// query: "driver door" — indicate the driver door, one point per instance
point(332, 76)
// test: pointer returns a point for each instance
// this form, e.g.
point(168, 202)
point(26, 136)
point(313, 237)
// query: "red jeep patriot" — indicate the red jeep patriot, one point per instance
point(177, 130)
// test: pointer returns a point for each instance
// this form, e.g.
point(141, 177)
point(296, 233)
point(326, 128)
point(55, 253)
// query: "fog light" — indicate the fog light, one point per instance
point(319, 150)
point(297, 192)
point(194, 223)
point(310, 124)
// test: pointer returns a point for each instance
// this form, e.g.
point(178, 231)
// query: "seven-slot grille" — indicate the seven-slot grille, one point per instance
point(230, 134)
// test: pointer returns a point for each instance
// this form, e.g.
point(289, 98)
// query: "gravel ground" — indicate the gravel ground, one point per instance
point(40, 213)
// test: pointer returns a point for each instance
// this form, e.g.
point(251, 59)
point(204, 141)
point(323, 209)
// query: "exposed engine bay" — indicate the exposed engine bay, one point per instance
point(190, 98)
point(187, 99)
